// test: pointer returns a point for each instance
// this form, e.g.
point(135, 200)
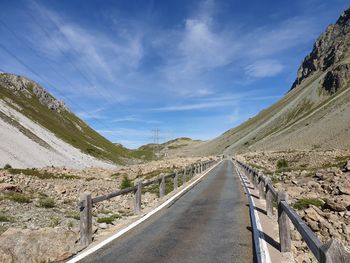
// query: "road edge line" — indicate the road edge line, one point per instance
point(263, 255)
point(98, 246)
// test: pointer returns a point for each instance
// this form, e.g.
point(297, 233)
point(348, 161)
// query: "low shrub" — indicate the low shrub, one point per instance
point(7, 166)
point(4, 218)
point(126, 182)
point(18, 197)
point(73, 214)
point(47, 202)
point(109, 219)
point(306, 202)
point(282, 164)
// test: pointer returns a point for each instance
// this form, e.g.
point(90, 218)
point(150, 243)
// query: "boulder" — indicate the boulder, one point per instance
point(46, 244)
point(336, 206)
point(344, 190)
point(103, 226)
point(312, 214)
point(9, 187)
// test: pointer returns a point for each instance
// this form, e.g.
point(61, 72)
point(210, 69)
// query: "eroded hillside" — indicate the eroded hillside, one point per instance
point(314, 114)
point(37, 130)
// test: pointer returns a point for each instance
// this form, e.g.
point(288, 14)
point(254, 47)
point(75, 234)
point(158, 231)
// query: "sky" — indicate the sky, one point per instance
point(188, 68)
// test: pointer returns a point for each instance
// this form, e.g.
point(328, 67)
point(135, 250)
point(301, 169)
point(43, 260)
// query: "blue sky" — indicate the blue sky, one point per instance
point(188, 68)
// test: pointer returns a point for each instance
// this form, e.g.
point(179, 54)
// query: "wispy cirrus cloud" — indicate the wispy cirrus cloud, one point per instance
point(93, 114)
point(140, 68)
point(134, 119)
point(263, 68)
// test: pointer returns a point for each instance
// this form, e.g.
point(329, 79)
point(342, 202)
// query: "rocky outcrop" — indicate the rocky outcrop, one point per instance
point(336, 78)
point(330, 48)
point(30, 88)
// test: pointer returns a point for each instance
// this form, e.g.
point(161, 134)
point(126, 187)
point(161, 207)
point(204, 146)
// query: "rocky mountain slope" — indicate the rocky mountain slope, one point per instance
point(314, 114)
point(36, 130)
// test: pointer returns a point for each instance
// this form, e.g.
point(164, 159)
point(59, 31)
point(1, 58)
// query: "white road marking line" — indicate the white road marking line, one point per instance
point(131, 226)
point(264, 252)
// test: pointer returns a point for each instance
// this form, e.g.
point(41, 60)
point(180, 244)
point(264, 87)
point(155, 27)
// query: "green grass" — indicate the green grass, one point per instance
point(153, 188)
point(259, 167)
point(42, 174)
point(282, 165)
point(88, 179)
point(115, 175)
point(4, 218)
point(46, 202)
point(126, 182)
point(157, 172)
point(108, 219)
point(169, 186)
point(54, 221)
point(306, 202)
point(69, 128)
point(73, 214)
point(173, 147)
point(16, 197)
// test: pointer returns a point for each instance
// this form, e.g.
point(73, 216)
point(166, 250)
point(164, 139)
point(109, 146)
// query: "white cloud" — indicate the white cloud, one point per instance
point(264, 68)
point(203, 103)
point(93, 114)
point(135, 119)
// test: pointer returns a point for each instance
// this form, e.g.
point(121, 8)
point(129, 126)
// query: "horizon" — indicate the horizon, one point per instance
point(129, 68)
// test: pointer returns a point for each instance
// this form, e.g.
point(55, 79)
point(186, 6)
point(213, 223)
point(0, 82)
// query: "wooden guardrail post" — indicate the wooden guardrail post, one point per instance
point(269, 198)
point(137, 196)
point(176, 179)
point(334, 252)
point(162, 186)
point(255, 180)
point(283, 225)
point(85, 219)
point(252, 177)
point(261, 186)
point(184, 176)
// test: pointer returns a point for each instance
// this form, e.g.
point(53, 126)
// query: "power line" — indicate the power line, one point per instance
point(44, 80)
point(48, 35)
point(156, 141)
point(35, 52)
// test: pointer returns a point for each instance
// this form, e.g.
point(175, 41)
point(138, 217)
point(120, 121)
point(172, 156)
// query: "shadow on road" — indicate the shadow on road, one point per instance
point(268, 239)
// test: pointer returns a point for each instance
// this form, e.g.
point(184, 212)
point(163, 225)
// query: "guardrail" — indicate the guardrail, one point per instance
point(86, 201)
point(330, 252)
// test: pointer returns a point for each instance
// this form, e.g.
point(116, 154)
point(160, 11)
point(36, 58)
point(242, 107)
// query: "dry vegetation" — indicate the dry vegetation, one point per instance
point(35, 200)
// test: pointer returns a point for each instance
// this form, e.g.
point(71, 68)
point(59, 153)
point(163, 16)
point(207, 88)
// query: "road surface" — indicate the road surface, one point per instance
point(210, 223)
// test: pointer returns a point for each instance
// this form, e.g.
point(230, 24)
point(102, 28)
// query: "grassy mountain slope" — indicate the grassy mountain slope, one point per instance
point(28, 98)
point(172, 148)
point(314, 114)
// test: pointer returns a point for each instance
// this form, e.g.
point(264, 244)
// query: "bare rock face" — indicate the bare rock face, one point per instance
point(30, 88)
point(330, 49)
point(43, 245)
point(336, 78)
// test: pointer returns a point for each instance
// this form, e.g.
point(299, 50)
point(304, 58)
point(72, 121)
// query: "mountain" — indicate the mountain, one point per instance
point(314, 114)
point(173, 148)
point(37, 130)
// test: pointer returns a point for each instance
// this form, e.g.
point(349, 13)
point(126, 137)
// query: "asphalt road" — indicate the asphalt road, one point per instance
point(207, 224)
